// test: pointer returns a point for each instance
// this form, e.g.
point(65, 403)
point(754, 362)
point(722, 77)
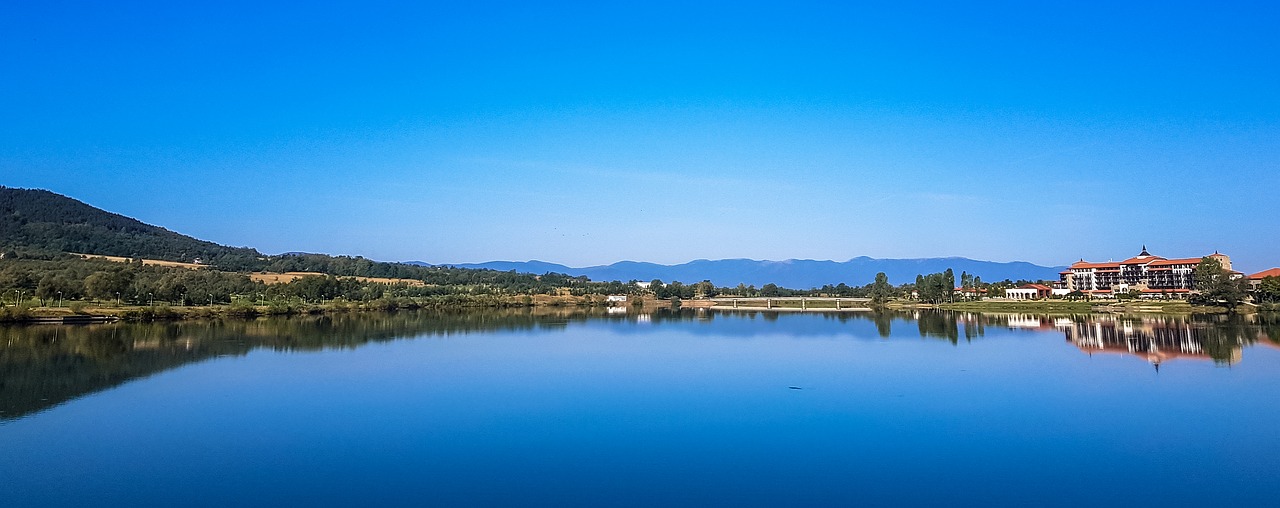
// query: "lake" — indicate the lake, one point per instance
point(673, 408)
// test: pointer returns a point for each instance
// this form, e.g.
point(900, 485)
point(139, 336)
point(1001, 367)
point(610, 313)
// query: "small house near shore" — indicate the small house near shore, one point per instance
point(1028, 292)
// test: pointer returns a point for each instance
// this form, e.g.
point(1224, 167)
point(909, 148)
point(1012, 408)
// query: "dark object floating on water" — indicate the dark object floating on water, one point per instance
point(795, 388)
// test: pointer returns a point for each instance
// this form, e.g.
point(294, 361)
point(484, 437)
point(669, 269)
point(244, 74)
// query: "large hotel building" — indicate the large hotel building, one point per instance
point(1148, 274)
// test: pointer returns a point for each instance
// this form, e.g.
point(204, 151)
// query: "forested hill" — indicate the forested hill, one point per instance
point(42, 224)
point(39, 220)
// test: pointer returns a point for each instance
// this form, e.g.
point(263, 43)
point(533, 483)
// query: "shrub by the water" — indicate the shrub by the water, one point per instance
point(242, 310)
point(159, 313)
point(12, 313)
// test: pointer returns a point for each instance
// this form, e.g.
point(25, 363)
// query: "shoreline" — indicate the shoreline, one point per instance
point(792, 309)
point(108, 314)
point(96, 315)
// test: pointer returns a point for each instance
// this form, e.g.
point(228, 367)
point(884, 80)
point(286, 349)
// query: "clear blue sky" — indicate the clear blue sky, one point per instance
point(596, 132)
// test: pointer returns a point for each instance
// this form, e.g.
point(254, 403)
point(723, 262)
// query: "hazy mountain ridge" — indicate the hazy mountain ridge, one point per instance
point(791, 273)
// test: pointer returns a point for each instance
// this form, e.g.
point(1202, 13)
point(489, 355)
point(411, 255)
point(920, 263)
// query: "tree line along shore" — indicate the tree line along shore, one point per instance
point(135, 270)
point(49, 285)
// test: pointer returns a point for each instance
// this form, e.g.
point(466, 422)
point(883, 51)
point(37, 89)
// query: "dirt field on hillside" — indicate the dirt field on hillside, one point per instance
point(282, 278)
point(151, 262)
point(263, 277)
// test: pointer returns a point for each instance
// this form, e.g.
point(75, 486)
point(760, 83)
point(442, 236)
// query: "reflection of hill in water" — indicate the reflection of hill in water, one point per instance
point(43, 366)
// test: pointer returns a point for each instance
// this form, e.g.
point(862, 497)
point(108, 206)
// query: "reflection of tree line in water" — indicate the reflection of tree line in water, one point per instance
point(42, 366)
point(1217, 337)
point(934, 324)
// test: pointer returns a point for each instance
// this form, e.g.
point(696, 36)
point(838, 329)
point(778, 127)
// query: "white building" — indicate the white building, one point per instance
point(1028, 292)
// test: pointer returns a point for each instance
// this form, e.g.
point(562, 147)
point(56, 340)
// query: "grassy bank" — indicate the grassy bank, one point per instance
point(1177, 307)
point(1021, 306)
point(1047, 306)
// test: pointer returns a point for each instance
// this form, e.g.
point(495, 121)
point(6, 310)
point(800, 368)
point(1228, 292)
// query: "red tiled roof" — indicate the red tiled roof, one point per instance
point(1140, 260)
point(1183, 261)
point(1040, 287)
point(1274, 272)
point(1137, 260)
point(1086, 264)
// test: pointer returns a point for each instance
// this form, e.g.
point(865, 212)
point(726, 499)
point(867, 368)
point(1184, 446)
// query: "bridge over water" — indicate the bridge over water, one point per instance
point(793, 303)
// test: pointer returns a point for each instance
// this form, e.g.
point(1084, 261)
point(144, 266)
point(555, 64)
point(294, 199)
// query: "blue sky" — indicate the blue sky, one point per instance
point(596, 132)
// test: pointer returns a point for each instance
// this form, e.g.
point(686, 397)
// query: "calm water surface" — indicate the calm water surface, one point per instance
point(671, 409)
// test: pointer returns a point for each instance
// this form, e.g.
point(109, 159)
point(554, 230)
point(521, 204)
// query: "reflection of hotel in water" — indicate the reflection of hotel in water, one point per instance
point(1156, 340)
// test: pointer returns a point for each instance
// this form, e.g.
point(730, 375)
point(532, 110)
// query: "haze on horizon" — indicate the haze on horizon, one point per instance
point(584, 134)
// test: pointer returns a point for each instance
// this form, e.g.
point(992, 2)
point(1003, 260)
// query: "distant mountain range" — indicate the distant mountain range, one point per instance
point(792, 273)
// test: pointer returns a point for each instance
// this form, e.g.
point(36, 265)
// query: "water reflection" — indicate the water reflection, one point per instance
point(43, 366)
point(1218, 338)
point(1157, 339)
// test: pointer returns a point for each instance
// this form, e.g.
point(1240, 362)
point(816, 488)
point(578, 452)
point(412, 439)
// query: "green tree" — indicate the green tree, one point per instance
point(1217, 286)
point(949, 282)
point(1269, 289)
point(880, 289)
point(935, 287)
point(658, 288)
point(677, 289)
point(106, 285)
point(704, 289)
